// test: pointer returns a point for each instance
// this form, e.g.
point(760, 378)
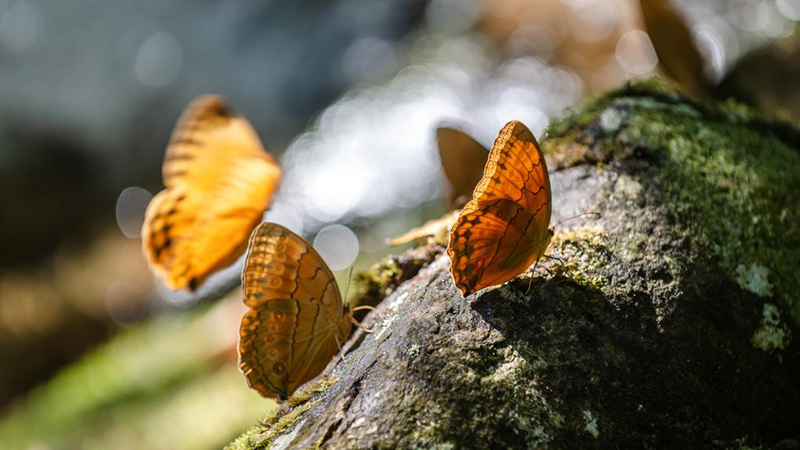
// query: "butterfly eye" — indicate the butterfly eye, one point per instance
point(270, 338)
point(279, 368)
point(274, 282)
point(279, 316)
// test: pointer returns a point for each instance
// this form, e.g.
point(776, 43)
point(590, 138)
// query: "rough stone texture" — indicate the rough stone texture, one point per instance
point(668, 322)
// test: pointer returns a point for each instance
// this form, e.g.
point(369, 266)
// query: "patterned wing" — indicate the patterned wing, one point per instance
point(504, 228)
point(296, 320)
point(219, 180)
point(463, 159)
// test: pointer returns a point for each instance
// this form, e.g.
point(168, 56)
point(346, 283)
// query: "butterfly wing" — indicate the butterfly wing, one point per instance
point(219, 180)
point(463, 159)
point(296, 319)
point(677, 53)
point(504, 228)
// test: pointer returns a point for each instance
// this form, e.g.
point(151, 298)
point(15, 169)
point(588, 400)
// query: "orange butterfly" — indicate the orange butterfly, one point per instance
point(219, 180)
point(462, 160)
point(297, 319)
point(504, 228)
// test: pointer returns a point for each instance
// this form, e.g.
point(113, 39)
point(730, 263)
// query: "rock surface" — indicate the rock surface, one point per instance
point(668, 322)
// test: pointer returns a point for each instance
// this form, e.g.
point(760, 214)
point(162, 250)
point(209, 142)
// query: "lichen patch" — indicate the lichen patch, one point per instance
point(772, 334)
point(754, 278)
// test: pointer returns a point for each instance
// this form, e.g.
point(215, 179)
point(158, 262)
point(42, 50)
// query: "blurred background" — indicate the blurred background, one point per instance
point(347, 94)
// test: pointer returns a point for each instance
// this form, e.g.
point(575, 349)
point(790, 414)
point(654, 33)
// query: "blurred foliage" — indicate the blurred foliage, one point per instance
point(169, 383)
point(67, 306)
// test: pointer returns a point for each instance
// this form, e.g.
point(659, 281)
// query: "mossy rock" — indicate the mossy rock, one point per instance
point(670, 321)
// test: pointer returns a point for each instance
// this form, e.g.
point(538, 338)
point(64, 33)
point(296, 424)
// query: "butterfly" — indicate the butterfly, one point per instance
point(504, 228)
point(219, 180)
point(462, 160)
point(672, 40)
point(296, 320)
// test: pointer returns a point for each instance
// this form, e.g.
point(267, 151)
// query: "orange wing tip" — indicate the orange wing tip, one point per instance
point(178, 283)
point(459, 283)
point(209, 104)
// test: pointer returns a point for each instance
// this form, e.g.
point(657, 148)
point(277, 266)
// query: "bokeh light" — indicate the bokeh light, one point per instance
point(122, 303)
point(158, 60)
point(635, 53)
point(337, 245)
point(374, 150)
point(19, 26)
point(131, 206)
point(789, 8)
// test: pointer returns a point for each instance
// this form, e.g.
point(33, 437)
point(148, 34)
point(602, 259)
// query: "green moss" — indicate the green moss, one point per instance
point(375, 284)
point(277, 422)
point(495, 386)
point(734, 186)
point(259, 437)
point(581, 253)
point(569, 142)
point(730, 176)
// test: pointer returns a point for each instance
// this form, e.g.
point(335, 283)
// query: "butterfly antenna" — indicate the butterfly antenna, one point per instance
point(347, 288)
point(580, 215)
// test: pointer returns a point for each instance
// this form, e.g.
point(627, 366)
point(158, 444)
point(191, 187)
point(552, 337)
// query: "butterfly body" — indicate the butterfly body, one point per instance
point(219, 180)
point(296, 319)
point(505, 227)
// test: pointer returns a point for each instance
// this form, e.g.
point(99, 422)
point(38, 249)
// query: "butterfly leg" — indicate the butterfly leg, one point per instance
point(359, 325)
point(340, 348)
point(556, 258)
point(533, 274)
